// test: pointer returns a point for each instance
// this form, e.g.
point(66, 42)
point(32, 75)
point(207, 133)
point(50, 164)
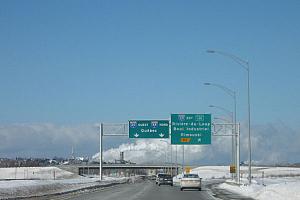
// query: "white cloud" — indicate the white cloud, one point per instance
point(271, 143)
point(48, 140)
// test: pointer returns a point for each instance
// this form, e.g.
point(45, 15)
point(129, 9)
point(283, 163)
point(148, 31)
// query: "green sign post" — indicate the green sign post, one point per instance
point(149, 129)
point(191, 129)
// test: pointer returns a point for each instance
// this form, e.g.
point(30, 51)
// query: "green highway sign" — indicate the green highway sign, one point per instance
point(148, 128)
point(191, 129)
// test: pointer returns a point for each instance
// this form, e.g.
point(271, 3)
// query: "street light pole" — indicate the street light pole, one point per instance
point(229, 113)
point(233, 129)
point(231, 93)
point(237, 146)
point(249, 138)
point(246, 66)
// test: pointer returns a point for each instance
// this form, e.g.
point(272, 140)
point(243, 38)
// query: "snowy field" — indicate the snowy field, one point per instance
point(45, 180)
point(276, 183)
point(44, 173)
point(208, 173)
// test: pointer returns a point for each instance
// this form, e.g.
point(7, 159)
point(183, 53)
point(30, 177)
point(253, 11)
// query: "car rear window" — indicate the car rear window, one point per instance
point(191, 176)
point(164, 176)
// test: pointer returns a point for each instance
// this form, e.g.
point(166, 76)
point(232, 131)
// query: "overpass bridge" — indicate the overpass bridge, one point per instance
point(128, 169)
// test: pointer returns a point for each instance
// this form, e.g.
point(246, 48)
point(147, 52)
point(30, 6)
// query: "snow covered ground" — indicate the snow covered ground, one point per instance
point(45, 173)
point(44, 181)
point(274, 188)
point(276, 183)
point(208, 172)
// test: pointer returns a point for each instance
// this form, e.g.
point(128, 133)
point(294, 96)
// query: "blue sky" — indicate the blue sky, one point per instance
point(73, 62)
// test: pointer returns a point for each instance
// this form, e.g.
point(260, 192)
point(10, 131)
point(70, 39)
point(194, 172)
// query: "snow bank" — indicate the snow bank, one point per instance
point(45, 181)
point(275, 189)
point(27, 188)
point(276, 183)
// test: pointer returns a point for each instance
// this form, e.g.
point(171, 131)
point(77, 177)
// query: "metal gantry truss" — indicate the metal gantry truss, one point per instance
point(109, 129)
point(115, 129)
point(233, 130)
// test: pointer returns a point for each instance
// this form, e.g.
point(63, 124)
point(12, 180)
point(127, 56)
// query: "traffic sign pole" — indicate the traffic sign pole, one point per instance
point(171, 149)
point(122, 133)
point(183, 159)
point(171, 160)
point(176, 159)
point(100, 150)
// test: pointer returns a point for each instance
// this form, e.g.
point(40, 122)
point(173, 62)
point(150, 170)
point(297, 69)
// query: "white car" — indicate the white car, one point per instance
point(190, 181)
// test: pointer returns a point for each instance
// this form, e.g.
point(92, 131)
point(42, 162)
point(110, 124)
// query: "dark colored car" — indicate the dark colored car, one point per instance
point(164, 179)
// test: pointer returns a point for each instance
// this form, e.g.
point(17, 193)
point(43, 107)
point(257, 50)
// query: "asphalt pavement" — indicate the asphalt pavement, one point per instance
point(148, 190)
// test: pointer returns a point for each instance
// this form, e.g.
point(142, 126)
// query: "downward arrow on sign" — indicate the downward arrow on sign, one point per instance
point(136, 135)
point(161, 135)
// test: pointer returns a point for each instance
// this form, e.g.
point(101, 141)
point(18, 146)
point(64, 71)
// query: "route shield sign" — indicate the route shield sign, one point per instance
point(191, 129)
point(149, 129)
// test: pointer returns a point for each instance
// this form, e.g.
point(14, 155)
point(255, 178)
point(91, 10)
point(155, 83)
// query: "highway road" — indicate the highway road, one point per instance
point(146, 190)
